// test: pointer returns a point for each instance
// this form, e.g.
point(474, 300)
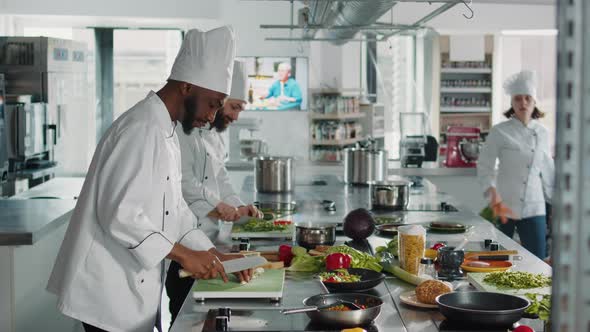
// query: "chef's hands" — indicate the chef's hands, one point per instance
point(200, 264)
point(244, 276)
point(227, 212)
point(499, 209)
point(250, 211)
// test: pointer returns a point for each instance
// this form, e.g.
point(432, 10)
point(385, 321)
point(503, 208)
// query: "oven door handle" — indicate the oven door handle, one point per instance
point(53, 128)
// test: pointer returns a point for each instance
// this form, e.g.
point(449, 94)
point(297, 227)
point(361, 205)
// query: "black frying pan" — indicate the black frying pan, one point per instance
point(482, 308)
point(369, 279)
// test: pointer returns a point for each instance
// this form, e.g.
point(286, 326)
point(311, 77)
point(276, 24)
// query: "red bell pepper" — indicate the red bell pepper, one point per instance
point(338, 261)
point(285, 254)
point(437, 246)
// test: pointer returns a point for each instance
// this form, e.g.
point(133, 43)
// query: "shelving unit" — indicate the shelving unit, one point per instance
point(451, 70)
point(336, 122)
point(337, 116)
point(465, 90)
point(337, 142)
point(465, 109)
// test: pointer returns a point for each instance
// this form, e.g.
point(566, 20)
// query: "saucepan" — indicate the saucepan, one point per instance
point(319, 313)
point(482, 308)
point(311, 235)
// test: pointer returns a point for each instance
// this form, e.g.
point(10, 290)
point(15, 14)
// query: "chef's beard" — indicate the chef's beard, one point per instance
point(220, 123)
point(190, 114)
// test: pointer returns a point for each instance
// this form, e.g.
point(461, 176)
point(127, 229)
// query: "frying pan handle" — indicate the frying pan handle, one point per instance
point(298, 310)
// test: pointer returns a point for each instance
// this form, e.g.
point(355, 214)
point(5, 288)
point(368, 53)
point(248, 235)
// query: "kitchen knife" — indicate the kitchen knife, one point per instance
point(234, 265)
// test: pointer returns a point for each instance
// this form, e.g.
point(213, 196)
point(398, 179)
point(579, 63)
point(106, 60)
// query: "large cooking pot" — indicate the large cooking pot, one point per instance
point(352, 318)
point(364, 165)
point(482, 308)
point(273, 174)
point(390, 195)
point(310, 236)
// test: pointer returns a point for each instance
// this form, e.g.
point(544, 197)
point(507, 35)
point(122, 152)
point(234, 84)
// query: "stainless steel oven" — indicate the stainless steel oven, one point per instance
point(26, 130)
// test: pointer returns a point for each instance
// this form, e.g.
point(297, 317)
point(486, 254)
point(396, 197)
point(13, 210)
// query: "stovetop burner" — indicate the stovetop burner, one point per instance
point(269, 320)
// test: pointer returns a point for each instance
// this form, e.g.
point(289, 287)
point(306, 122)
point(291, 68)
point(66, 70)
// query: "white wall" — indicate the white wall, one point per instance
point(132, 8)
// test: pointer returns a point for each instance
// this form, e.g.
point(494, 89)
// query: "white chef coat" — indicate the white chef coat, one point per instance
point(110, 267)
point(205, 181)
point(525, 175)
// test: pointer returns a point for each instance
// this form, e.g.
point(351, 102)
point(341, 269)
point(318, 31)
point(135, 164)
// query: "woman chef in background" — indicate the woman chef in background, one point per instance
point(130, 214)
point(205, 181)
point(518, 190)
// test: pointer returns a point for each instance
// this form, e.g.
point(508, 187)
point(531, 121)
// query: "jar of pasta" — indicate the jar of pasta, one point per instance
point(412, 242)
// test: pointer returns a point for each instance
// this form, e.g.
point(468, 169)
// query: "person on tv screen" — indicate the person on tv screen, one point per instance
point(285, 90)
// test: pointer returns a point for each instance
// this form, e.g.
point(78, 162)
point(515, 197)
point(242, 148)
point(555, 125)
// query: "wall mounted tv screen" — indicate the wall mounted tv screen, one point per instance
point(277, 83)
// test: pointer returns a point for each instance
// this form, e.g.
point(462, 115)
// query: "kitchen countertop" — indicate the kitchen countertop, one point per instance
point(395, 316)
point(24, 222)
point(394, 168)
point(27, 217)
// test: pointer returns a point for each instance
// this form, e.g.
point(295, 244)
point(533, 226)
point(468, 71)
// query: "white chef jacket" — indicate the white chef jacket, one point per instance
point(205, 181)
point(526, 171)
point(110, 267)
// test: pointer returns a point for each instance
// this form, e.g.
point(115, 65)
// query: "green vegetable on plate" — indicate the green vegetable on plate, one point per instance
point(517, 280)
point(260, 225)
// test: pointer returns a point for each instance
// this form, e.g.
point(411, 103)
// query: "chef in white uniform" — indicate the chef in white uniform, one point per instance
point(523, 182)
point(130, 215)
point(205, 182)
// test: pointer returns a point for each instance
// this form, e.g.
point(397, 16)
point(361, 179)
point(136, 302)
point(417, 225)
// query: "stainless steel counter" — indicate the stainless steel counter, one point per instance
point(24, 222)
point(27, 217)
point(395, 316)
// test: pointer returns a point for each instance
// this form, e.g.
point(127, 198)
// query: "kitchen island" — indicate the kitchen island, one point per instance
point(425, 203)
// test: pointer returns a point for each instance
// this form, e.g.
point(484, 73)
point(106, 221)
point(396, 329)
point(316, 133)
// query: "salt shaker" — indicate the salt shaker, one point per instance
point(427, 267)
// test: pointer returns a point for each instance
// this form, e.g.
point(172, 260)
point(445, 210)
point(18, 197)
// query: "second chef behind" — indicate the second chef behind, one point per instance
point(205, 182)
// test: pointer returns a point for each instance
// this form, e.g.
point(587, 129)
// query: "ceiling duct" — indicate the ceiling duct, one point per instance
point(349, 13)
point(321, 13)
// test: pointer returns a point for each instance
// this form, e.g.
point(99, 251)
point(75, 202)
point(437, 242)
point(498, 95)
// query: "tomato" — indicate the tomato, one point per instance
point(331, 279)
point(282, 222)
point(285, 254)
point(523, 328)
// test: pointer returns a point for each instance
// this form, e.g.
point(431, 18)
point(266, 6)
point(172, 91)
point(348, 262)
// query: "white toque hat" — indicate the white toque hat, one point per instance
point(206, 59)
point(239, 82)
point(522, 83)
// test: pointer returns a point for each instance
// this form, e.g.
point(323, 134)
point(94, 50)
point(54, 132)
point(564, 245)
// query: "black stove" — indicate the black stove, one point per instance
point(269, 320)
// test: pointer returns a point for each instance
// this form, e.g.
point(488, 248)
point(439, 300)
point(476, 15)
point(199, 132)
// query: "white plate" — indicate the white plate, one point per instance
point(409, 298)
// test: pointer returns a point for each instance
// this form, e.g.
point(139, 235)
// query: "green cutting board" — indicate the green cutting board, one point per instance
point(268, 285)
point(476, 279)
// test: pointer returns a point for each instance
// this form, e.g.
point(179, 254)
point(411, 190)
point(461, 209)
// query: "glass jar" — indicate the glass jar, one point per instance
point(412, 243)
point(427, 267)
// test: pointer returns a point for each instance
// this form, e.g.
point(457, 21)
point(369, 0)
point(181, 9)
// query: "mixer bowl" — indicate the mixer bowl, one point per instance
point(469, 150)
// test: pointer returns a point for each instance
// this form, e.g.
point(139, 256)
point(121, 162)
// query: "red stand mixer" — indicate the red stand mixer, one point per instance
point(463, 144)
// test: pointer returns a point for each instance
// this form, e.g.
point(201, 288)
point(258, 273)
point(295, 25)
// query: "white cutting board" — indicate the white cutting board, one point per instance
point(476, 279)
point(268, 286)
